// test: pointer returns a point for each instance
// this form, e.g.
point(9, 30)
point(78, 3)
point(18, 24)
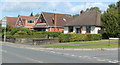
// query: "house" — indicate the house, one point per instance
point(11, 21)
point(45, 22)
point(26, 22)
point(52, 22)
point(86, 22)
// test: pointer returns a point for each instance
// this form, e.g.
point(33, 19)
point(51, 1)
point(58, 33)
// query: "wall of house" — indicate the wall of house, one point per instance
point(29, 24)
point(66, 30)
point(56, 29)
point(83, 30)
point(94, 30)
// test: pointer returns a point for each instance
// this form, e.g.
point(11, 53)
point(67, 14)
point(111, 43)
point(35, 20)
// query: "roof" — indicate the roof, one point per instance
point(86, 18)
point(11, 21)
point(62, 19)
point(28, 17)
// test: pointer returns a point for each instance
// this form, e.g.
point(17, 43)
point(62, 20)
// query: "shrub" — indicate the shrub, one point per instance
point(79, 37)
point(50, 34)
point(20, 31)
point(29, 36)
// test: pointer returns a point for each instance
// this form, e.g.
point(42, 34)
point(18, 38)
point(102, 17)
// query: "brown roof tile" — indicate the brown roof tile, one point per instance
point(28, 17)
point(11, 21)
point(62, 19)
point(86, 18)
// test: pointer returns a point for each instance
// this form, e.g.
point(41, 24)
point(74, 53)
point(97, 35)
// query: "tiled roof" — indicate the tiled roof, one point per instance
point(86, 18)
point(11, 21)
point(28, 17)
point(62, 19)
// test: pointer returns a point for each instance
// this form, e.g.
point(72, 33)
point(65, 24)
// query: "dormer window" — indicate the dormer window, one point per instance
point(64, 19)
point(30, 21)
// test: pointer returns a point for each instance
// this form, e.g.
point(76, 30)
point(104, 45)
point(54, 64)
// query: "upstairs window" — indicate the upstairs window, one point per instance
point(64, 19)
point(42, 19)
point(30, 21)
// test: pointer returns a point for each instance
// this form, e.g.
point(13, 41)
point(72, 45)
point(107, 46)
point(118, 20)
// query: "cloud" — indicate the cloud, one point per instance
point(67, 7)
point(77, 8)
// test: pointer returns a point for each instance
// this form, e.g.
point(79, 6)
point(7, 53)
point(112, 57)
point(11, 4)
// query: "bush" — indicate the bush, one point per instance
point(20, 31)
point(79, 37)
point(30, 36)
point(50, 34)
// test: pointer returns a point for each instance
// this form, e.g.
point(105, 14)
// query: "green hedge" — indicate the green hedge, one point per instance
point(29, 36)
point(79, 37)
point(51, 34)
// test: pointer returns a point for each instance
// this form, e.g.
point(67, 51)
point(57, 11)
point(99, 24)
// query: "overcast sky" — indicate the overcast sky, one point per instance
point(24, 7)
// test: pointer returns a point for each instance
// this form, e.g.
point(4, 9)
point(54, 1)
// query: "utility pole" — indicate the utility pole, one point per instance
point(4, 24)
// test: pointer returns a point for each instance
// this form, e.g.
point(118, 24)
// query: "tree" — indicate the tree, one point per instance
point(110, 20)
point(37, 15)
point(93, 9)
point(31, 14)
point(75, 15)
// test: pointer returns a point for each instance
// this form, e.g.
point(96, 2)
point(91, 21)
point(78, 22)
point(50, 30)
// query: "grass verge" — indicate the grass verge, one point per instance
point(111, 45)
point(87, 42)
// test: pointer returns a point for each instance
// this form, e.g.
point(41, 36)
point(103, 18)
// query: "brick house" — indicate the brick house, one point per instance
point(45, 22)
point(11, 21)
point(86, 22)
point(26, 22)
point(52, 22)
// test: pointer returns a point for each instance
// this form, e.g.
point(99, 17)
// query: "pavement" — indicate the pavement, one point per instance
point(19, 53)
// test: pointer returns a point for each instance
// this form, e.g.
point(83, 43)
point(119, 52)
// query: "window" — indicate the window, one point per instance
point(71, 29)
point(42, 19)
point(77, 30)
point(88, 29)
point(30, 21)
point(64, 19)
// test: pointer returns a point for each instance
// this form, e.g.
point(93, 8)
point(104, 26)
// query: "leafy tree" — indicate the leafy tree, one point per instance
point(93, 9)
point(110, 20)
point(31, 14)
point(37, 15)
point(75, 15)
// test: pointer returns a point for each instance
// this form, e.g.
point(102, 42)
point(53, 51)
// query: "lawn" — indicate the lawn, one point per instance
point(112, 45)
point(88, 42)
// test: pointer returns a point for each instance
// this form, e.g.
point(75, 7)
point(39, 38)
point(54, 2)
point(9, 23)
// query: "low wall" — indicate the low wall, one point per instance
point(33, 41)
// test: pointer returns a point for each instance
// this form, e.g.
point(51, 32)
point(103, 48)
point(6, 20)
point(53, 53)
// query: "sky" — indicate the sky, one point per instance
point(14, 8)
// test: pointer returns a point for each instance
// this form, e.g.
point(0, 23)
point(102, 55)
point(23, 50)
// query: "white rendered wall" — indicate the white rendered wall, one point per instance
point(92, 30)
point(66, 30)
point(96, 30)
point(83, 29)
point(74, 28)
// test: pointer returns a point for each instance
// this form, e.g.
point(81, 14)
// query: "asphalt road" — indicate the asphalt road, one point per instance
point(12, 54)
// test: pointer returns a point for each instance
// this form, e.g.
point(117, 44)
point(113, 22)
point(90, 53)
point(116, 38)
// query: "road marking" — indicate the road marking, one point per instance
point(27, 58)
point(100, 59)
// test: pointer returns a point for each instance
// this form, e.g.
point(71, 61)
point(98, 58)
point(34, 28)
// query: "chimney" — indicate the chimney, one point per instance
point(55, 21)
point(81, 11)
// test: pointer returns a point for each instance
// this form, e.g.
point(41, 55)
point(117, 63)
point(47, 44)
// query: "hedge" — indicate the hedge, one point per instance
point(51, 34)
point(30, 36)
point(79, 37)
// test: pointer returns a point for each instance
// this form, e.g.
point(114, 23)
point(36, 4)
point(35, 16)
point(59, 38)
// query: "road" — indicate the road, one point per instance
point(11, 54)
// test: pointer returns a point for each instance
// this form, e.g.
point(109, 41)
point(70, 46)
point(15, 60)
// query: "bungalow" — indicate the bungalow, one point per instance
point(86, 22)
point(52, 22)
